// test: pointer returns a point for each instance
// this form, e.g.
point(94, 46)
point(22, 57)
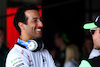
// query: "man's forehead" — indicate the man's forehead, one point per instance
point(31, 12)
point(95, 28)
point(28, 11)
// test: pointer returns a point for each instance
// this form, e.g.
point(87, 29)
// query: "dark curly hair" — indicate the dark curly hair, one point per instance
point(20, 15)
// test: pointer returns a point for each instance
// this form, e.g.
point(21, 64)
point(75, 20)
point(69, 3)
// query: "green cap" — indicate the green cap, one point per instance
point(90, 25)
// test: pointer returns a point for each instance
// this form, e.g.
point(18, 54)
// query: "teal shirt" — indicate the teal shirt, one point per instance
point(85, 63)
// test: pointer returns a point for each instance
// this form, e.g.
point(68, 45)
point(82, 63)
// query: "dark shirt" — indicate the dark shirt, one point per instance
point(60, 58)
point(95, 62)
point(3, 53)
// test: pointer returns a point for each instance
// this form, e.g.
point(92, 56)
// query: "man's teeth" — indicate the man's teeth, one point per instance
point(38, 29)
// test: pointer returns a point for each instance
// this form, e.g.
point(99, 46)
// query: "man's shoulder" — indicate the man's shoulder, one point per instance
point(85, 63)
point(12, 52)
point(16, 53)
point(45, 51)
point(16, 50)
point(94, 62)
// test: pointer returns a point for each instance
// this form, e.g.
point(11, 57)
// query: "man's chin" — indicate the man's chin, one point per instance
point(39, 36)
point(98, 48)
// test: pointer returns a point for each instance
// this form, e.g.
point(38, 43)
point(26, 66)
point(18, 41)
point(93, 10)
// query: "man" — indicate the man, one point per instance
point(95, 31)
point(28, 51)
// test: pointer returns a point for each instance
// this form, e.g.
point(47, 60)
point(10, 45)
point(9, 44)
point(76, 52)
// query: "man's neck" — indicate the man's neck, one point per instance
point(24, 37)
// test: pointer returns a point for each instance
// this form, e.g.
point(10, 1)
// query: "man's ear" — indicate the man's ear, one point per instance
point(21, 25)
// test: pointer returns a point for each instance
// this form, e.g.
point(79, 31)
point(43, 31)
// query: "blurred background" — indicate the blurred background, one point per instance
point(58, 16)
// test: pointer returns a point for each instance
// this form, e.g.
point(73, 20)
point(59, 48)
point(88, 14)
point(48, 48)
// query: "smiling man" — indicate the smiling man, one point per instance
point(28, 51)
point(95, 32)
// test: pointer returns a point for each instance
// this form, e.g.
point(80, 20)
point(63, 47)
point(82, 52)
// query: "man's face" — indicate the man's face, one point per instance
point(34, 26)
point(96, 38)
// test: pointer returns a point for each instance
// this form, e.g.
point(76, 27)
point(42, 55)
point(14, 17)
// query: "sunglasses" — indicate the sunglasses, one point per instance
point(92, 31)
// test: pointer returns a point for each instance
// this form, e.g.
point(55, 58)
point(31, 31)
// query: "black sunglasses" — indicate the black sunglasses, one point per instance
point(92, 32)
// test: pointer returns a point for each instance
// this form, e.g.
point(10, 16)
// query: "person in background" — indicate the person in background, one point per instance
point(61, 42)
point(72, 56)
point(3, 48)
point(87, 47)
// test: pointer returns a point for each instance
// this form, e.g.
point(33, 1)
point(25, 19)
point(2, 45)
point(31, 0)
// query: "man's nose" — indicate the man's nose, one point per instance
point(40, 24)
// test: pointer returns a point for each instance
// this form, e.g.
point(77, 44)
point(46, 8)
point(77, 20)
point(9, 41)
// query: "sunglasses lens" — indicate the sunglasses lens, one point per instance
point(92, 31)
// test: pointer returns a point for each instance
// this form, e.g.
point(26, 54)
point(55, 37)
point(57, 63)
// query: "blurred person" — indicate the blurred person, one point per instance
point(2, 37)
point(72, 56)
point(95, 32)
point(3, 48)
point(61, 42)
point(28, 51)
point(87, 47)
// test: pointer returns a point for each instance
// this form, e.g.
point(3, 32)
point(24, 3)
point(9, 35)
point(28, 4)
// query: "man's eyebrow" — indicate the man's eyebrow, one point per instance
point(35, 18)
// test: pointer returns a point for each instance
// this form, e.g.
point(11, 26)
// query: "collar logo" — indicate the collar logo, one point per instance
point(44, 60)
